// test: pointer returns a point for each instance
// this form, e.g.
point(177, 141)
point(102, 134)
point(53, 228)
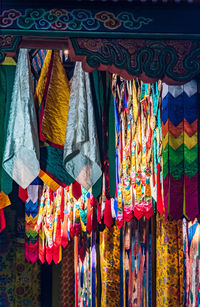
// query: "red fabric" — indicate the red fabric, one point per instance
point(58, 233)
point(76, 190)
point(62, 206)
point(64, 240)
point(108, 221)
point(56, 254)
point(23, 194)
point(41, 253)
point(49, 254)
point(159, 195)
point(89, 218)
point(2, 220)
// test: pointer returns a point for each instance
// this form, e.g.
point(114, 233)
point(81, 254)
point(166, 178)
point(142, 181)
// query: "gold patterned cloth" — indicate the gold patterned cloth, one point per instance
point(110, 266)
point(169, 263)
point(52, 96)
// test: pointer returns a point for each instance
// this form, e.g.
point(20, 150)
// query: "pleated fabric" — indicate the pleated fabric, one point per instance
point(180, 150)
point(21, 152)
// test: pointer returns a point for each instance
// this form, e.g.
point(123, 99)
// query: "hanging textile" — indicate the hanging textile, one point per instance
point(86, 271)
point(81, 152)
point(110, 266)
point(21, 152)
point(137, 260)
point(52, 96)
point(7, 75)
point(191, 249)
point(138, 149)
point(67, 276)
point(19, 280)
point(52, 99)
point(31, 215)
point(180, 150)
point(169, 262)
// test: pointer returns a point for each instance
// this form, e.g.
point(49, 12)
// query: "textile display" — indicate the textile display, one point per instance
point(138, 149)
point(21, 152)
point(180, 150)
point(102, 173)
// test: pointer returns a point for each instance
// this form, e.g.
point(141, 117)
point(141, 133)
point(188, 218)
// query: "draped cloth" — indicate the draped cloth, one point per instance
point(52, 97)
point(7, 75)
point(180, 150)
point(169, 263)
point(81, 150)
point(21, 153)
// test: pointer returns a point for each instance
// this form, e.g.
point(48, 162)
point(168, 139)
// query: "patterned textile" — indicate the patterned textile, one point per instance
point(21, 152)
point(137, 267)
point(81, 151)
point(67, 276)
point(19, 280)
point(34, 192)
point(52, 97)
point(180, 150)
point(169, 263)
point(191, 247)
point(138, 148)
point(110, 266)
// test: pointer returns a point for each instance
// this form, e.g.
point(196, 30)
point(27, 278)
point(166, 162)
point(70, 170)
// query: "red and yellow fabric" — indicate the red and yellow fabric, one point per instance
point(110, 266)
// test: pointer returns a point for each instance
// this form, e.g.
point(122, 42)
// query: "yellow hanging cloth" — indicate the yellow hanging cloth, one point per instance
point(52, 96)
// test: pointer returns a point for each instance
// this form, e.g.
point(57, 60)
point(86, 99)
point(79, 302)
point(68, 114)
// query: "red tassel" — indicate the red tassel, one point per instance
point(49, 254)
point(2, 220)
point(89, 221)
point(159, 195)
point(76, 190)
point(108, 221)
point(62, 206)
point(23, 194)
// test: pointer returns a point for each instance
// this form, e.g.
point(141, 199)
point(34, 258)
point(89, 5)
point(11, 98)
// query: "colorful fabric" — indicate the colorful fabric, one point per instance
point(21, 152)
point(180, 150)
point(81, 151)
point(52, 96)
point(137, 269)
point(169, 262)
point(19, 280)
point(67, 276)
point(110, 266)
point(34, 192)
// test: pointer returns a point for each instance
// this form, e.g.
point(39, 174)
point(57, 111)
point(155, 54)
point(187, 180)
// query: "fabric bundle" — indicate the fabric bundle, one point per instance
point(138, 149)
point(21, 152)
point(180, 150)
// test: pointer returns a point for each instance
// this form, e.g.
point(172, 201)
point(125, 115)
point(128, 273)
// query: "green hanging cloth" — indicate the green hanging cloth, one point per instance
point(7, 75)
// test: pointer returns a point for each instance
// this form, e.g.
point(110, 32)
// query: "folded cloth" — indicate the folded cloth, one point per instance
point(21, 152)
point(81, 150)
